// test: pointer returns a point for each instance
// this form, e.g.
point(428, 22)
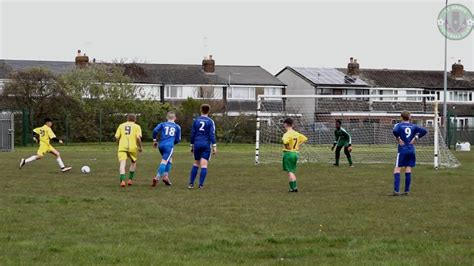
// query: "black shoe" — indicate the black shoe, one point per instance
point(335, 164)
point(293, 190)
point(190, 186)
point(396, 194)
point(201, 186)
point(405, 193)
point(167, 182)
point(22, 162)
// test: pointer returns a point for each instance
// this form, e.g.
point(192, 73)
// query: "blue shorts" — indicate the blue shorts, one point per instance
point(166, 152)
point(202, 152)
point(406, 159)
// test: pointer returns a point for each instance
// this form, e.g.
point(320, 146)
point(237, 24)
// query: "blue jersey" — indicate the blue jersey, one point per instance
point(407, 132)
point(203, 132)
point(170, 133)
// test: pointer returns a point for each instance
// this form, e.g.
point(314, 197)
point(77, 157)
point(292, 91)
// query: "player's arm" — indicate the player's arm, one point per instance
point(36, 134)
point(53, 137)
point(420, 132)
point(118, 134)
point(336, 139)
point(396, 133)
point(286, 141)
point(212, 136)
point(193, 135)
point(139, 139)
point(349, 137)
point(156, 130)
point(177, 137)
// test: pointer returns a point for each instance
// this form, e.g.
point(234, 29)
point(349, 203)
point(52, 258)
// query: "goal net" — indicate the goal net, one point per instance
point(369, 119)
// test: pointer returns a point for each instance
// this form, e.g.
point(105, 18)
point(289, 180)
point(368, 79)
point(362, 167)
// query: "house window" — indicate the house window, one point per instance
point(272, 91)
point(181, 92)
point(460, 96)
point(241, 93)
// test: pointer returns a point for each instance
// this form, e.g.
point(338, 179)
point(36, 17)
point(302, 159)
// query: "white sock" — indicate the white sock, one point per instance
point(60, 162)
point(31, 159)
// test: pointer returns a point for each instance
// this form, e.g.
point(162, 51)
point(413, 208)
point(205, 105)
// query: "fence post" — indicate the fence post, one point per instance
point(67, 127)
point(25, 122)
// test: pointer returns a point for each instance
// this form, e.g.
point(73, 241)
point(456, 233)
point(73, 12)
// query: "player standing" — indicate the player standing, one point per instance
point(203, 135)
point(407, 134)
point(343, 139)
point(44, 135)
point(292, 141)
point(129, 141)
point(170, 136)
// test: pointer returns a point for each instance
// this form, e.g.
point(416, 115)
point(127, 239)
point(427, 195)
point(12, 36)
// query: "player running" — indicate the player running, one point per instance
point(202, 137)
point(170, 136)
point(407, 134)
point(292, 141)
point(44, 135)
point(343, 139)
point(129, 141)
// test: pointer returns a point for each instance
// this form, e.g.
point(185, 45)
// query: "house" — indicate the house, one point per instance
point(236, 87)
point(406, 84)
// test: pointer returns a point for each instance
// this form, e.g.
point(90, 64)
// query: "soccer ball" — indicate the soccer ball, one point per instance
point(85, 169)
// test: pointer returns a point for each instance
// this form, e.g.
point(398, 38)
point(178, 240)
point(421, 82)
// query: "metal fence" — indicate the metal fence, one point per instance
point(7, 131)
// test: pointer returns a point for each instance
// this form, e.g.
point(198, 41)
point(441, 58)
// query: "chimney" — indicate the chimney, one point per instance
point(81, 60)
point(208, 64)
point(353, 67)
point(457, 70)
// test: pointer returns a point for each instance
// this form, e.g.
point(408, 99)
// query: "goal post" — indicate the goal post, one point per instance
point(369, 119)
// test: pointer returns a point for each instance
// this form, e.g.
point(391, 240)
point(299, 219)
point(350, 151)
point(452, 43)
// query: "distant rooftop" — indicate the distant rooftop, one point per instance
point(326, 76)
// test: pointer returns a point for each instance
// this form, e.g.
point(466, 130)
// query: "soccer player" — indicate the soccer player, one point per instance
point(292, 141)
point(44, 135)
point(170, 136)
point(129, 141)
point(407, 134)
point(343, 140)
point(202, 137)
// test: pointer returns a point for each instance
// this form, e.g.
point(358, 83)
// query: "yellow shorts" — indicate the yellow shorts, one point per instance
point(44, 149)
point(123, 155)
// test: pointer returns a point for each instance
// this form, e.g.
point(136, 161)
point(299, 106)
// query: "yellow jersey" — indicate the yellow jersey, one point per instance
point(45, 134)
point(127, 134)
point(292, 140)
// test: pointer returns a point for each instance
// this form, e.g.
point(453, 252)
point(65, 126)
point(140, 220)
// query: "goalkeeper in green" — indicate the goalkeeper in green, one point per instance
point(343, 139)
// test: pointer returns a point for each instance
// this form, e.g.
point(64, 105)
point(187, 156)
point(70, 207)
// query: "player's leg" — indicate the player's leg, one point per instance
point(338, 155)
point(205, 158)
point(194, 170)
point(122, 157)
point(166, 174)
point(348, 155)
point(407, 180)
point(60, 162)
point(289, 166)
point(133, 166)
point(396, 174)
point(42, 150)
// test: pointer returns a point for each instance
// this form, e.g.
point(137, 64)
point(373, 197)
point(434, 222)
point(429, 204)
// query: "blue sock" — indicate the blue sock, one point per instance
point(161, 169)
point(192, 176)
point(202, 177)
point(168, 167)
point(407, 182)
point(396, 182)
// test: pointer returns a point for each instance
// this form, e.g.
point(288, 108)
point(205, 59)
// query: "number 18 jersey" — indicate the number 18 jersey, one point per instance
point(170, 133)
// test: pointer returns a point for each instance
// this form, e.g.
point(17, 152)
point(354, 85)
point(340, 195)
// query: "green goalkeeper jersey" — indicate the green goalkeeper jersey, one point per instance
point(343, 138)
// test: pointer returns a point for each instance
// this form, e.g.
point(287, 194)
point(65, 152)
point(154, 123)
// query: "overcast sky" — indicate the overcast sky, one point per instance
point(381, 34)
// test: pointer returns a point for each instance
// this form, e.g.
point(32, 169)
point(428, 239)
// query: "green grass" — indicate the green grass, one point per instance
point(244, 215)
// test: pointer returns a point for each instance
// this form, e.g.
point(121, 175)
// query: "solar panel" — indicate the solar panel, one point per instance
point(330, 76)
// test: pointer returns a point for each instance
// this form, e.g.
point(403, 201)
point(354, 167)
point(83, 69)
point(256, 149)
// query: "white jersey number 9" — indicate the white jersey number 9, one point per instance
point(408, 132)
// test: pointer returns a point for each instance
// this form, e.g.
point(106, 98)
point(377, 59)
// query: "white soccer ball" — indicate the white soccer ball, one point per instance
point(85, 169)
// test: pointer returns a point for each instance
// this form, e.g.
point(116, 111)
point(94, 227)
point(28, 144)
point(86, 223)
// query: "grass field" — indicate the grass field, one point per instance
point(243, 216)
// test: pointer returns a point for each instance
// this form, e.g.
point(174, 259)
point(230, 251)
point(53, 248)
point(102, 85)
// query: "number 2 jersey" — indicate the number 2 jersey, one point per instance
point(407, 132)
point(128, 133)
point(292, 140)
point(170, 133)
point(203, 132)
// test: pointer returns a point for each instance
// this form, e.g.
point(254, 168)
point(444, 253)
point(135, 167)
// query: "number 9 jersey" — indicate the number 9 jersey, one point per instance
point(128, 134)
point(407, 132)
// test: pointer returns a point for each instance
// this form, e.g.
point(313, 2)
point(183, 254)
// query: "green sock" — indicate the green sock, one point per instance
point(122, 177)
point(294, 185)
point(337, 161)
point(132, 175)
point(350, 160)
